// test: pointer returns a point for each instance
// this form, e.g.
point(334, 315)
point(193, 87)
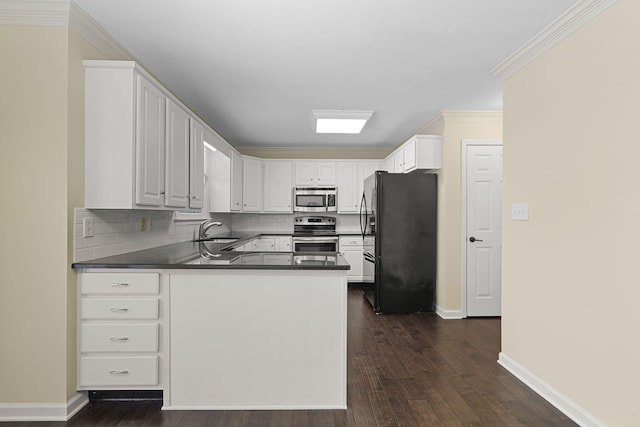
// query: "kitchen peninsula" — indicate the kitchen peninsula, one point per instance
point(215, 328)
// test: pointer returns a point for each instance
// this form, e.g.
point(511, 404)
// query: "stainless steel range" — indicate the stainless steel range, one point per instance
point(315, 234)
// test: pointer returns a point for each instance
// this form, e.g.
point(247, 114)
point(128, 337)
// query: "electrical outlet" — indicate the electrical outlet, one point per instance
point(87, 227)
point(143, 224)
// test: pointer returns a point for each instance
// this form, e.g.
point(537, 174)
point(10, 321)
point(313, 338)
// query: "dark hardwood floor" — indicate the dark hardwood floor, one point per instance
point(404, 370)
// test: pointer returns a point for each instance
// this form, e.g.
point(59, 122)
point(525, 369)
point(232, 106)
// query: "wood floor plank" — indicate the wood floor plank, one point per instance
point(402, 370)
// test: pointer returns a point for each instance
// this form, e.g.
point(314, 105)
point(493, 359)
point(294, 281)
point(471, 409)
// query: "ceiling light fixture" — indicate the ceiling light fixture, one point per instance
point(340, 121)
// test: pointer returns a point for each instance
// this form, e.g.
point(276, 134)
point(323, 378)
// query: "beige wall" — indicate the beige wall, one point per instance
point(455, 126)
point(33, 180)
point(570, 273)
point(78, 50)
point(42, 175)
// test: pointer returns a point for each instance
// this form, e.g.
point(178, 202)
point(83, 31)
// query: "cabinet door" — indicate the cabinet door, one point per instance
point(325, 173)
point(196, 166)
point(277, 187)
point(387, 164)
point(304, 173)
point(283, 243)
point(150, 144)
point(409, 156)
point(365, 169)
point(177, 157)
point(265, 244)
point(348, 194)
point(398, 162)
point(252, 185)
point(354, 258)
point(236, 181)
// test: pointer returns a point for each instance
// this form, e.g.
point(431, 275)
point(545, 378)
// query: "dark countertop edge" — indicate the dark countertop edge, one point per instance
point(88, 265)
point(178, 256)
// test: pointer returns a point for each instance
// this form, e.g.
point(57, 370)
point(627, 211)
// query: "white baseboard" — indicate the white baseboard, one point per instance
point(43, 411)
point(550, 394)
point(449, 314)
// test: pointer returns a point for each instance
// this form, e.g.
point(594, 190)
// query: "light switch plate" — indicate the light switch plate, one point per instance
point(520, 211)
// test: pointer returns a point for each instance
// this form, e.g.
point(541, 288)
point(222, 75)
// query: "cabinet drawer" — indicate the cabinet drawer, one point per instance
point(119, 371)
point(119, 308)
point(118, 337)
point(351, 241)
point(120, 283)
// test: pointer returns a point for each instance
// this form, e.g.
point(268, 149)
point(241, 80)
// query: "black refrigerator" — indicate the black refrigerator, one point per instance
point(400, 210)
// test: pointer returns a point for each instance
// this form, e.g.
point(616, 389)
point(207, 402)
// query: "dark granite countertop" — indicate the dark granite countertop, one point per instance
point(211, 255)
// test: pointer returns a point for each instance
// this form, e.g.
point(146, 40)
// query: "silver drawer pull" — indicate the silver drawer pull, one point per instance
point(120, 285)
point(119, 339)
point(119, 309)
point(120, 373)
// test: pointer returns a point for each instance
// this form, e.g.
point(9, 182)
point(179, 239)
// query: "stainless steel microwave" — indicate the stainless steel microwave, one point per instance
point(314, 199)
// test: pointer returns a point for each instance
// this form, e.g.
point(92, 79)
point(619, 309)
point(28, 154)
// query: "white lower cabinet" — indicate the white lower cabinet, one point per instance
point(283, 244)
point(351, 249)
point(119, 372)
point(263, 244)
point(120, 326)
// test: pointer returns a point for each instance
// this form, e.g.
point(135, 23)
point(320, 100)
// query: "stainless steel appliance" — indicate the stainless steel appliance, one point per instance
point(314, 199)
point(404, 208)
point(315, 234)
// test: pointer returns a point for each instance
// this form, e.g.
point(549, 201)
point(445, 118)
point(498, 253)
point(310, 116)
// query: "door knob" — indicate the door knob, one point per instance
point(473, 239)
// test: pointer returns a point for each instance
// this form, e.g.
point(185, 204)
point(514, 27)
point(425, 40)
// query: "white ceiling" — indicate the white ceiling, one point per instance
point(255, 69)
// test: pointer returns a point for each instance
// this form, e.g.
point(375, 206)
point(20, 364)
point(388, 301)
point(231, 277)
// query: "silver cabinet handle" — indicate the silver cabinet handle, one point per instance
point(119, 309)
point(119, 339)
point(120, 373)
point(120, 285)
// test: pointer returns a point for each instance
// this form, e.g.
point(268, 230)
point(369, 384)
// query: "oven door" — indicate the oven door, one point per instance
point(315, 244)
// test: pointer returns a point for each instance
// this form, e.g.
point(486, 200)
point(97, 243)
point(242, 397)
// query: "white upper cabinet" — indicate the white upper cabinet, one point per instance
point(277, 186)
point(314, 173)
point(351, 176)
point(236, 182)
point(196, 165)
point(137, 142)
point(150, 144)
point(348, 196)
point(177, 157)
point(418, 153)
point(251, 185)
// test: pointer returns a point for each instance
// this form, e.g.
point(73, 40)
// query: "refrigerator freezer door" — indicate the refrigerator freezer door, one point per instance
point(406, 227)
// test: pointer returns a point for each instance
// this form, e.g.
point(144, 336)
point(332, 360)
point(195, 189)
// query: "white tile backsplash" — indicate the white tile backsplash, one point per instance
point(117, 232)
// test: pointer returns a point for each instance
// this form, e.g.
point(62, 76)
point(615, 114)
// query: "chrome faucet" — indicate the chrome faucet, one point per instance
point(205, 226)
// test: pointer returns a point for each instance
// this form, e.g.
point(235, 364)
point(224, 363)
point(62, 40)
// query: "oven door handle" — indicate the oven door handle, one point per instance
point(315, 239)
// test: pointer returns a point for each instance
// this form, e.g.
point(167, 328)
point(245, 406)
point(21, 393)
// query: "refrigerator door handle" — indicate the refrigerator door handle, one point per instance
point(363, 224)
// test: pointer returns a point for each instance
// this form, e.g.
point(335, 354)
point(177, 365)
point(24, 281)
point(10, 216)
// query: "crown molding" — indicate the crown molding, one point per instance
point(94, 33)
point(471, 115)
point(582, 12)
point(435, 126)
point(35, 12)
point(62, 13)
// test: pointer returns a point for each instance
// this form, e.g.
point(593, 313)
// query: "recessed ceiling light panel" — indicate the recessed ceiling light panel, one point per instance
point(341, 121)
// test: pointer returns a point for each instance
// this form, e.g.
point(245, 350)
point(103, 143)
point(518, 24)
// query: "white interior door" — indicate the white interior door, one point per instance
point(483, 229)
